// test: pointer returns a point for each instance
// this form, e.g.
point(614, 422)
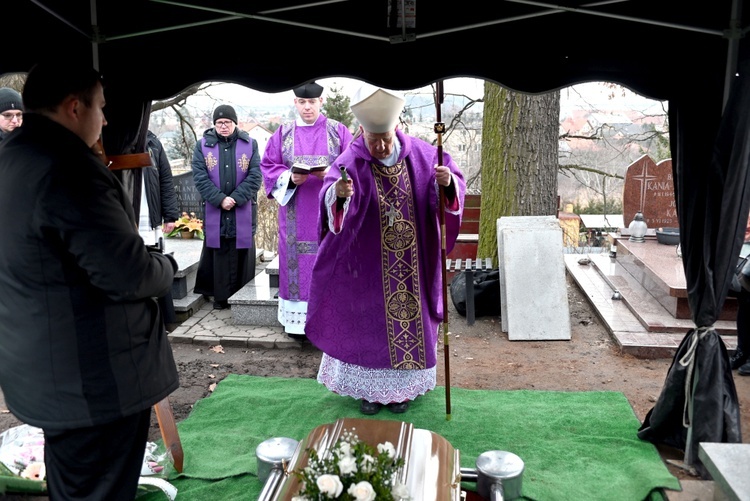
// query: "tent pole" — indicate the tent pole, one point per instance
point(95, 37)
point(734, 33)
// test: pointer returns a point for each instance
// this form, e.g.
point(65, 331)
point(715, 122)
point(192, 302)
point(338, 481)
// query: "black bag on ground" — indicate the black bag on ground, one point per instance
point(486, 292)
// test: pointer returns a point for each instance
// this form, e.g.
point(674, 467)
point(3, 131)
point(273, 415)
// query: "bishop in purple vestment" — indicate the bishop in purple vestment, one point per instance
point(311, 140)
point(376, 294)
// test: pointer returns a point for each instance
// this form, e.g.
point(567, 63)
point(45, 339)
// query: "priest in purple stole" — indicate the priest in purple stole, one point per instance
point(376, 303)
point(226, 171)
point(311, 140)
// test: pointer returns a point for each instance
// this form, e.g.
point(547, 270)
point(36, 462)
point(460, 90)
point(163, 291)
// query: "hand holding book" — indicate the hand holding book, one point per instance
point(299, 168)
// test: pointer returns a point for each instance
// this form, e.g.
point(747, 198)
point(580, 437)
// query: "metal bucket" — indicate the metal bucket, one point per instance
point(498, 475)
point(272, 455)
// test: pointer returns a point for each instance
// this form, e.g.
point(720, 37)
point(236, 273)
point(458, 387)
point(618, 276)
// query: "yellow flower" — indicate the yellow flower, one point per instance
point(187, 222)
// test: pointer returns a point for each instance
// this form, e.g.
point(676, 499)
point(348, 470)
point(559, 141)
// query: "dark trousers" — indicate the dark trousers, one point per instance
point(97, 463)
point(224, 271)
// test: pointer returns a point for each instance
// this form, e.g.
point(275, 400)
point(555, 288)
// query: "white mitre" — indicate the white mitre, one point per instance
point(377, 109)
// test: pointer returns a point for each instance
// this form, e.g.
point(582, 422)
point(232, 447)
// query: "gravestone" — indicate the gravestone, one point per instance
point(649, 188)
point(188, 198)
point(533, 289)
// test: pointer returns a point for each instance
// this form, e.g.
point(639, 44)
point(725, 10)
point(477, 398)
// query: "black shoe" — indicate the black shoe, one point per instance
point(369, 408)
point(739, 358)
point(221, 305)
point(744, 370)
point(398, 408)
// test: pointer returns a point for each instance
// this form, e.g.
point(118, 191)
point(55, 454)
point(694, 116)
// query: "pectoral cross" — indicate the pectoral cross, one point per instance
point(391, 213)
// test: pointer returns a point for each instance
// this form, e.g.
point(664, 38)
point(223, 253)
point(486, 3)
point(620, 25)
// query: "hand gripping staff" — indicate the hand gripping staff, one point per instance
point(439, 130)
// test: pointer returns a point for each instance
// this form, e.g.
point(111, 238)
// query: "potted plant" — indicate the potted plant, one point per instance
point(187, 226)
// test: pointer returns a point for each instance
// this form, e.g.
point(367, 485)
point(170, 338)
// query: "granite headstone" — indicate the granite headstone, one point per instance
point(649, 188)
point(188, 198)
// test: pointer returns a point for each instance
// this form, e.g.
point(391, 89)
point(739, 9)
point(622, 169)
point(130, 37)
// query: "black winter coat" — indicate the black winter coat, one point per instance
point(157, 178)
point(82, 340)
point(244, 192)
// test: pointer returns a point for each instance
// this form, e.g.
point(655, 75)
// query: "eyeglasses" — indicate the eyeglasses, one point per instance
point(10, 116)
point(223, 123)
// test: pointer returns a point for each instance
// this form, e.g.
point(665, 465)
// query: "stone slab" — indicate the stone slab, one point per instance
point(255, 303)
point(623, 324)
point(729, 467)
point(186, 307)
point(536, 299)
point(501, 224)
point(659, 269)
point(272, 270)
point(187, 253)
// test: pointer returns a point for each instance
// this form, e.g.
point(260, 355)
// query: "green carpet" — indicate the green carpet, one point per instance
point(575, 446)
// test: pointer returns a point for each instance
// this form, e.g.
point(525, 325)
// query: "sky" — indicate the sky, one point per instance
point(592, 95)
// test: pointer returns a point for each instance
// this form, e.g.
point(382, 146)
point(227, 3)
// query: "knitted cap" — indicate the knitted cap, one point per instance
point(376, 109)
point(10, 100)
point(225, 111)
point(309, 91)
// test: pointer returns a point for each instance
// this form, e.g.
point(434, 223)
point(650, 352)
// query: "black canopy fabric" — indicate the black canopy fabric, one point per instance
point(161, 46)
point(699, 400)
point(686, 53)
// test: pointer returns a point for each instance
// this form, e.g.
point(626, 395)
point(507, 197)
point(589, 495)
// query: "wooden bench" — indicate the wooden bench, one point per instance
point(454, 266)
point(468, 233)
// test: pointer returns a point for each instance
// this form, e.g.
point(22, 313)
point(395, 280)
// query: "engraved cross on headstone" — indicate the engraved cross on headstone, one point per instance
point(391, 213)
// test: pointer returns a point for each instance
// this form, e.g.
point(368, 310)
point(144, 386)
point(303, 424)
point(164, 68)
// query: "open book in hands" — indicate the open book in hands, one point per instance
point(298, 168)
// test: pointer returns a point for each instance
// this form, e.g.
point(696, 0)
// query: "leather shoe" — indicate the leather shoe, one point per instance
point(398, 408)
point(369, 408)
point(744, 370)
point(738, 359)
point(221, 305)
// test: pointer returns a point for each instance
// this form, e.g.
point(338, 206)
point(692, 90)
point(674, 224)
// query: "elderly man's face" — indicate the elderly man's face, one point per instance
point(380, 145)
point(224, 127)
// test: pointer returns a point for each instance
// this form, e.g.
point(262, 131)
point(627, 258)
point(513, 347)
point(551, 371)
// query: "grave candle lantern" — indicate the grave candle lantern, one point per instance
point(638, 228)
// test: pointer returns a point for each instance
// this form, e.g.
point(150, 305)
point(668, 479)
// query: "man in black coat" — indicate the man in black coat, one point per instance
point(83, 351)
point(159, 207)
point(226, 171)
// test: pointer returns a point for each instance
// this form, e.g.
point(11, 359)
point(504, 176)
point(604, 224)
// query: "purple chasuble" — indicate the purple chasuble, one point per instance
point(376, 296)
point(243, 215)
point(317, 144)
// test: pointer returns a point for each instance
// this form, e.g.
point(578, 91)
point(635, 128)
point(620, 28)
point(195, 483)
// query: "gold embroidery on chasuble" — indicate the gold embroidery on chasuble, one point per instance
point(243, 163)
point(400, 264)
point(211, 161)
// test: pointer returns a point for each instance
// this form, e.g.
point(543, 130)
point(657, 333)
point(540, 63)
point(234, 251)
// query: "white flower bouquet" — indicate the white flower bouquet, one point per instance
point(354, 471)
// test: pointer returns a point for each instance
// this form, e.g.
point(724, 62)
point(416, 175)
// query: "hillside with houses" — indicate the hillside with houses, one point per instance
point(603, 129)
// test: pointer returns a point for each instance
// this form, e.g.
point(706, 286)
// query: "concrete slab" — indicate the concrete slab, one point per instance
point(256, 303)
point(625, 326)
point(729, 466)
point(536, 298)
point(511, 222)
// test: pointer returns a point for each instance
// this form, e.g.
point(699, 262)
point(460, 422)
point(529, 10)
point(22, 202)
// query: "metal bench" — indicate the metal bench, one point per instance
point(453, 266)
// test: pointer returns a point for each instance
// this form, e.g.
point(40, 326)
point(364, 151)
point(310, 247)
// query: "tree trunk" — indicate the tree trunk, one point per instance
point(519, 159)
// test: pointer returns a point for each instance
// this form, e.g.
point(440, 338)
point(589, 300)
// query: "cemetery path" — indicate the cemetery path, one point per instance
point(481, 357)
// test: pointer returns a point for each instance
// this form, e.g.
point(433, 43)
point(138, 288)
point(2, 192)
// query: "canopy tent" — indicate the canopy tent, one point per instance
point(162, 46)
point(687, 54)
